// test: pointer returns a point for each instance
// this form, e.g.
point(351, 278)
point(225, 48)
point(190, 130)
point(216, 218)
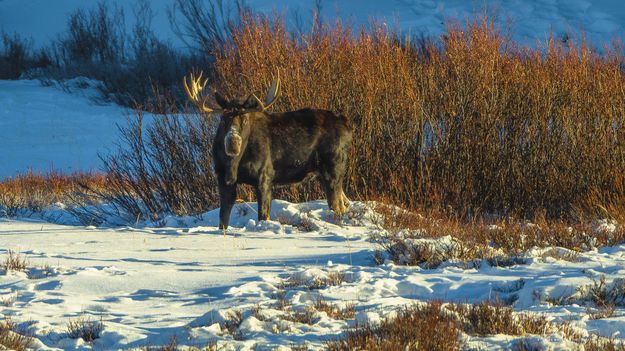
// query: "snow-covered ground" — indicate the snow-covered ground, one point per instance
point(185, 278)
point(48, 128)
point(150, 281)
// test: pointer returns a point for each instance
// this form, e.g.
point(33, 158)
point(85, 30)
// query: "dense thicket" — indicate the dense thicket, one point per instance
point(473, 122)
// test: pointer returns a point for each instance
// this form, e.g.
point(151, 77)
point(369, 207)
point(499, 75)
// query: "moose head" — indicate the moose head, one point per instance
point(236, 114)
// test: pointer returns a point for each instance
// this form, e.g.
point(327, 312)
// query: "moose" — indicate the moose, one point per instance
point(262, 149)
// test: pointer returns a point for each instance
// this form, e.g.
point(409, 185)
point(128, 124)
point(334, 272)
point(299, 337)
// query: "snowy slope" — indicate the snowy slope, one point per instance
point(601, 20)
point(46, 128)
point(147, 284)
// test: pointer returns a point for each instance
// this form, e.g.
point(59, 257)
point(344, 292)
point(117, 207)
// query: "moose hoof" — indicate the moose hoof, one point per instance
point(340, 210)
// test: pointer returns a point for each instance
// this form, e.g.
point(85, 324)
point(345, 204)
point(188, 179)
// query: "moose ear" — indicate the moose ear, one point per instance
point(251, 103)
point(221, 101)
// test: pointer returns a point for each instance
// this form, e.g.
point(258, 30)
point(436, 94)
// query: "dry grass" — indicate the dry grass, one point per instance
point(595, 343)
point(11, 338)
point(84, 328)
point(304, 316)
point(33, 192)
point(333, 278)
point(9, 299)
point(501, 242)
point(13, 262)
point(603, 294)
point(494, 318)
point(434, 326)
point(172, 345)
point(602, 311)
point(282, 303)
point(299, 347)
point(232, 322)
point(421, 327)
point(334, 311)
point(257, 312)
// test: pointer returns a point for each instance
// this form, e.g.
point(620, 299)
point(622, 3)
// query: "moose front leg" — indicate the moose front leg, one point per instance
point(263, 195)
point(227, 197)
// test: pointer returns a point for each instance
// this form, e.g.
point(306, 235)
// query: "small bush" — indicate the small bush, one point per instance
point(490, 318)
point(135, 68)
point(17, 56)
point(334, 311)
point(595, 343)
point(84, 328)
point(155, 173)
point(429, 238)
point(11, 339)
point(603, 294)
point(172, 345)
point(426, 327)
point(9, 299)
point(234, 320)
point(305, 316)
point(332, 278)
point(13, 262)
point(33, 192)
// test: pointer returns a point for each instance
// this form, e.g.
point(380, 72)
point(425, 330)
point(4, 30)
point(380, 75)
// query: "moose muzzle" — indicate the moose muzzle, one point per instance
point(232, 143)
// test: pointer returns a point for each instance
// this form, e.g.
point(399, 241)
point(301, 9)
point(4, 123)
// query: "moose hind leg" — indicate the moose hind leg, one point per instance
point(227, 197)
point(331, 178)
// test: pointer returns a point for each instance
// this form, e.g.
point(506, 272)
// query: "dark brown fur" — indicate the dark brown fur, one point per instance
point(279, 148)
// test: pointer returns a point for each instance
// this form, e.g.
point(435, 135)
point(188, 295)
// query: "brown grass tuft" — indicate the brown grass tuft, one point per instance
point(304, 316)
point(421, 327)
point(332, 278)
point(84, 328)
point(499, 241)
point(232, 322)
point(11, 339)
point(490, 318)
point(434, 326)
point(172, 345)
point(333, 310)
point(14, 262)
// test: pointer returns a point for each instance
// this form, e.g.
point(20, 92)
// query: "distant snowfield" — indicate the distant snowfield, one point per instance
point(148, 283)
point(46, 128)
point(601, 20)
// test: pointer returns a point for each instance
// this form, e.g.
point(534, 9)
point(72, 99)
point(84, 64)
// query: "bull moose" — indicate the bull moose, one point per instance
point(262, 149)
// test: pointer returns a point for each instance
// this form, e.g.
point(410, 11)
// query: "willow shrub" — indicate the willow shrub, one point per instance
point(474, 123)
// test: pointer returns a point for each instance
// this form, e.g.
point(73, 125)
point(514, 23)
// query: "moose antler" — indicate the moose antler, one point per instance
point(194, 91)
point(272, 94)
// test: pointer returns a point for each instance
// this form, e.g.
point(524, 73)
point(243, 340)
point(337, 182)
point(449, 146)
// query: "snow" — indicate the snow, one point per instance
point(148, 283)
point(180, 276)
point(48, 128)
point(600, 20)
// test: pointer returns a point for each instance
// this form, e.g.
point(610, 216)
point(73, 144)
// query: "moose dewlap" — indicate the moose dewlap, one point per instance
point(255, 147)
